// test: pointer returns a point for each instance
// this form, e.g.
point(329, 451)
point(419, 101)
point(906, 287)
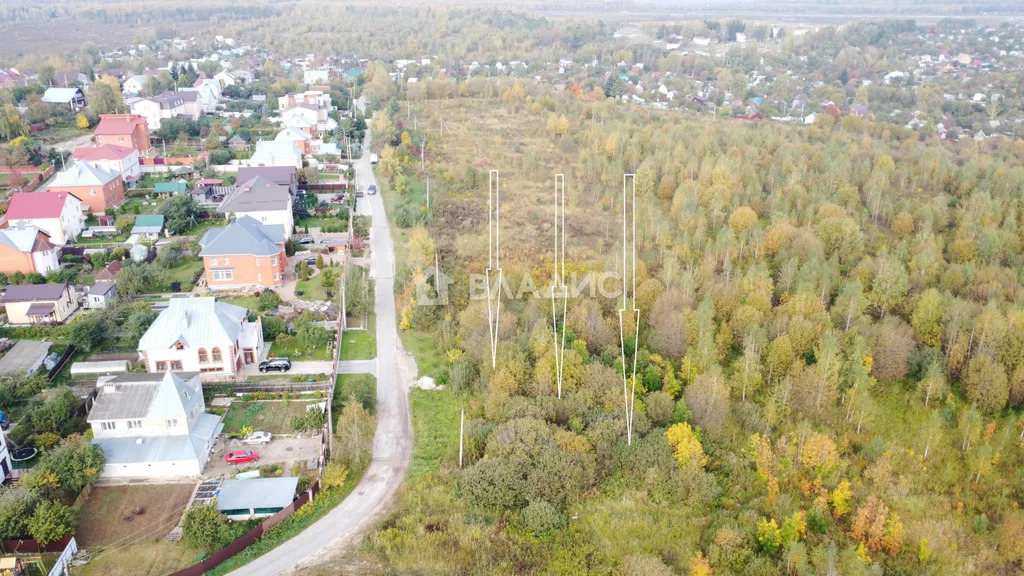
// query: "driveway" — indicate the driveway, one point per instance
point(357, 367)
point(280, 450)
point(70, 145)
point(298, 367)
point(392, 443)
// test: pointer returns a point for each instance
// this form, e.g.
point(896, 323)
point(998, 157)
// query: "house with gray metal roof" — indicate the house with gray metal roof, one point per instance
point(202, 335)
point(242, 499)
point(72, 98)
point(100, 294)
point(244, 254)
point(263, 200)
point(153, 425)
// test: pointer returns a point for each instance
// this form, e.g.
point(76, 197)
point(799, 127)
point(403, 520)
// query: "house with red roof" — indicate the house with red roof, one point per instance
point(124, 130)
point(97, 188)
point(122, 159)
point(109, 272)
point(58, 214)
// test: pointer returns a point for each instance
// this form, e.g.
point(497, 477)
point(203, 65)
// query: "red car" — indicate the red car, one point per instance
point(338, 199)
point(241, 457)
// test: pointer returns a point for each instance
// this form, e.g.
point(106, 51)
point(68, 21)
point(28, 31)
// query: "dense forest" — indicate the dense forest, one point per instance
point(830, 373)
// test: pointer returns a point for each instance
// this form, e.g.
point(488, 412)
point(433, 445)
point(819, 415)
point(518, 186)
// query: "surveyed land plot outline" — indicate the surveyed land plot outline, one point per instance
point(559, 289)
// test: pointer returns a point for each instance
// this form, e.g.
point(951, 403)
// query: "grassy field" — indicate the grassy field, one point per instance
point(252, 303)
point(362, 386)
point(399, 236)
point(423, 346)
point(202, 226)
point(144, 205)
point(435, 424)
point(184, 273)
point(321, 222)
point(312, 290)
point(358, 345)
point(322, 353)
point(273, 417)
point(123, 548)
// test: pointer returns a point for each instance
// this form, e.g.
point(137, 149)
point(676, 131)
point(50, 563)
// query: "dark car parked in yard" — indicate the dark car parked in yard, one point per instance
point(306, 240)
point(279, 364)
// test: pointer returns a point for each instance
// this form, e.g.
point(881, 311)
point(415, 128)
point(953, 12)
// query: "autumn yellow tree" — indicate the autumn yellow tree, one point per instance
point(699, 565)
point(688, 450)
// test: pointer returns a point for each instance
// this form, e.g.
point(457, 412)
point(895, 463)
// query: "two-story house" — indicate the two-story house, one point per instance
point(123, 130)
point(71, 98)
point(153, 425)
point(97, 187)
point(39, 303)
point(59, 214)
point(314, 115)
point(302, 141)
point(209, 93)
point(276, 153)
point(262, 200)
point(25, 248)
point(167, 105)
point(281, 175)
point(135, 84)
point(245, 253)
point(112, 157)
point(318, 97)
point(202, 335)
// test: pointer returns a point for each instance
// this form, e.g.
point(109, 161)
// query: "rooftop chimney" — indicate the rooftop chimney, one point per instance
point(184, 320)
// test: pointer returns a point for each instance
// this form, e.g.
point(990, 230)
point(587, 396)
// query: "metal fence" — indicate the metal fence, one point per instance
point(62, 565)
point(249, 387)
point(250, 537)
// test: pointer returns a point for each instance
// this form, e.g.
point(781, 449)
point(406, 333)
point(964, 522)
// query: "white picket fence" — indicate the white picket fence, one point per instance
point(61, 567)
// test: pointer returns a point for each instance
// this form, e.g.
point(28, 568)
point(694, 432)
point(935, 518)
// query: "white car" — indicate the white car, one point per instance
point(258, 437)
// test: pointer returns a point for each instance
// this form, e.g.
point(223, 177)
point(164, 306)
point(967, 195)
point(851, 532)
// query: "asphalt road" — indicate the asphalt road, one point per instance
point(392, 444)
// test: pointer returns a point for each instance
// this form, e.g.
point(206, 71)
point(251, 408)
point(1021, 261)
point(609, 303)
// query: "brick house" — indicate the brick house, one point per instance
point(59, 214)
point(25, 248)
point(243, 254)
point(113, 157)
point(97, 187)
point(124, 130)
point(202, 335)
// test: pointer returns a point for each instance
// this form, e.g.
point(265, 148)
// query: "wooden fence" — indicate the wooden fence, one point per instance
point(250, 537)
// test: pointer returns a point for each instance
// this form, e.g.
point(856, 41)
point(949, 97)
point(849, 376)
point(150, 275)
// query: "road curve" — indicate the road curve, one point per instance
point(392, 443)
